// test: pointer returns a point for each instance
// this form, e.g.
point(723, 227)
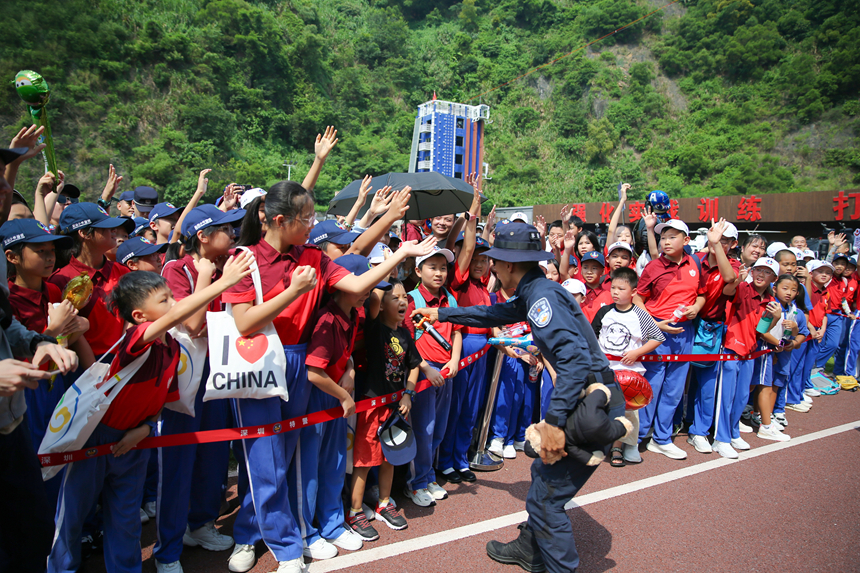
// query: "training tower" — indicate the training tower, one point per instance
point(449, 138)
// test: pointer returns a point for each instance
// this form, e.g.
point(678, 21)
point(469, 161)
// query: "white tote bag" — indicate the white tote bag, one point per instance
point(83, 406)
point(192, 360)
point(244, 366)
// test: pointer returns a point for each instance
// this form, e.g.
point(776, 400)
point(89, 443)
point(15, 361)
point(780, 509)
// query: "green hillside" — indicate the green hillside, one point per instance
point(705, 97)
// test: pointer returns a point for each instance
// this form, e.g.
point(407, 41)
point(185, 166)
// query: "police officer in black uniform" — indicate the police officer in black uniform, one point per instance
point(567, 340)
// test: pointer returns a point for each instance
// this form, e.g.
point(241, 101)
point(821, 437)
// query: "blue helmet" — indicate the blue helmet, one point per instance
point(659, 201)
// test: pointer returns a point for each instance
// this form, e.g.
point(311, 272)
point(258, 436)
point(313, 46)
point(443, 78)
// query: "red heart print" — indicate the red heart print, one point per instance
point(252, 348)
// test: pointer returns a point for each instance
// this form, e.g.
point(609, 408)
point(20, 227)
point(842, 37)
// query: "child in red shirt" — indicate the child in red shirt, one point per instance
point(751, 300)
point(826, 296)
point(597, 292)
point(144, 300)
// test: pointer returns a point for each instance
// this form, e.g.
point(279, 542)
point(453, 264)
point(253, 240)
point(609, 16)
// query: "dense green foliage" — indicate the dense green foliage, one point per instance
point(707, 97)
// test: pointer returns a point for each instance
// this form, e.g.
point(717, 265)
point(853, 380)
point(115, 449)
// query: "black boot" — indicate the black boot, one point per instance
point(522, 551)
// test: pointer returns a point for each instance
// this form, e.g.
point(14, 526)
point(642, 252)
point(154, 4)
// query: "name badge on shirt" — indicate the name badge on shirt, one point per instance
point(540, 313)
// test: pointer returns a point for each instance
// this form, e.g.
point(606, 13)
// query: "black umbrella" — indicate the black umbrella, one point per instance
point(433, 194)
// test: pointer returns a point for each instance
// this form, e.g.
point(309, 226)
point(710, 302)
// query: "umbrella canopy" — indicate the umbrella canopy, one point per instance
point(433, 194)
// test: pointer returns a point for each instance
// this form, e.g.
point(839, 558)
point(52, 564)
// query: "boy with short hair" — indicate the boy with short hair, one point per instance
point(143, 300)
point(626, 330)
point(673, 291)
point(431, 407)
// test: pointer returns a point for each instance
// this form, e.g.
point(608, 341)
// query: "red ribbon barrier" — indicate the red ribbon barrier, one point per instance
point(694, 357)
point(246, 432)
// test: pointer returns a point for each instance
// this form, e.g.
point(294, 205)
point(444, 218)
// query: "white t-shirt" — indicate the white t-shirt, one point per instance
point(621, 331)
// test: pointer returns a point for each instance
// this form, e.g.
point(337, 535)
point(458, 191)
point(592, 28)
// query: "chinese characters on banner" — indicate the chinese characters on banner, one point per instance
point(841, 204)
point(749, 209)
point(578, 210)
point(709, 208)
point(606, 212)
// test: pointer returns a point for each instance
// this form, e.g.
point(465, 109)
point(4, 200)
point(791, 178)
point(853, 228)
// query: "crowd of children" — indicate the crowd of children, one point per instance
point(339, 295)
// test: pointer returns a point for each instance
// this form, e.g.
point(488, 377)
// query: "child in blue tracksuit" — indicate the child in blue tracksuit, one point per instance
point(143, 299)
point(790, 332)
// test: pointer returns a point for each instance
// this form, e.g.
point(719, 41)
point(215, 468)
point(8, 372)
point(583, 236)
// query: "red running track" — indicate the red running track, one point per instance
point(778, 509)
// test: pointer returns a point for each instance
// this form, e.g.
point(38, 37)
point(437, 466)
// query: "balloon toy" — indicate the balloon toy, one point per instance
point(34, 90)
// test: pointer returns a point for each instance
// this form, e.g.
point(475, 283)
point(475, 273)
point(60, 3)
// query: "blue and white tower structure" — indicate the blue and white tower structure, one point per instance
point(449, 138)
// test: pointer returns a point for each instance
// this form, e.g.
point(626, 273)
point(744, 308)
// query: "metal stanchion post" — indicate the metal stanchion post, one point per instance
point(483, 460)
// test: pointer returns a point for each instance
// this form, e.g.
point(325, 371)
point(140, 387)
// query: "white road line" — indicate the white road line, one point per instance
point(410, 545)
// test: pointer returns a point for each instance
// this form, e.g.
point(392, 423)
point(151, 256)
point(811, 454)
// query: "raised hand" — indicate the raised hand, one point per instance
point(230, 198)
point(203, 181)
point(237, 267)
point(364, 188)
point(624, 188)
point(399, 201)
point(204, 267)
point(540, 225)
point(112, 184)
point(650, 219)
point(29, 137)
point(416, 249)
point(491, 218)
point(564, 213)
point(325, 143)
point(381, 201)
point(45, 184)
point(569, 241)
point(715, 233)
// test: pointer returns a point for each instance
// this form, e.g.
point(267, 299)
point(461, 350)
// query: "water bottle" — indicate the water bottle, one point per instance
point(679, 312)
point(533, 373)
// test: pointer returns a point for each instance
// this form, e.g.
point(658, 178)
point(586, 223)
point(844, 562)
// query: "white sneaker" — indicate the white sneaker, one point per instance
point(725, 450)
point(807, 400)
point(174, 567)
point(780, 419)
point(208, 538)
point(700, 443)
point(149, 508)
point(292, 566)
point(437, 491)
point(740, 444)
point(509, 452)
point(812, 392)
point(772, 433)
point(669, 450)
point(802, 407)
point(319, 549)
point(242, 559)
point(497, 445)
point(519, 446)
point(744, 428)
point(420, 497)
point(143, 517)
point(349, 540)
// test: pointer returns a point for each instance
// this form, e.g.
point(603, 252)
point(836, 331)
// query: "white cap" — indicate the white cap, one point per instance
point(574, 286)
point(798, 254)
point(731, 231)
point(774, 248)
point(379, 253)
point(250, 195)
point(449, 256)
point(544, 264)
point(619, 245)
point(808, 253)
point(520, 216)
point(673, 224)
point(815, 264)
point(769, 263)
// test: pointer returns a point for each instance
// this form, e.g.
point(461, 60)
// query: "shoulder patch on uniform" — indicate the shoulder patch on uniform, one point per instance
point(540, 313)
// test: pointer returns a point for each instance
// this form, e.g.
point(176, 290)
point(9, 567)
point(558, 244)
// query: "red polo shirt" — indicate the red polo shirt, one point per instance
point(31, 307)
point(851, 290)
point(715, 300)
point(665, 285)
point(820, 298)
point(150, 387)
point(332, 340)
point(836, 287)
point(469, 292)
point(105, 326)
point(595, 298)
point(181, 276)
point(294, 324)
point(746, 310)
point(427, 346)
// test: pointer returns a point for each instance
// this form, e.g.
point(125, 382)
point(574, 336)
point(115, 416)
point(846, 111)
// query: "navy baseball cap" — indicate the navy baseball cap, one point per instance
point(397, 440)
point(845, 256)
point(137, 247)
point(572, 261)
point(207, 215)
point(29, 231)
point(84, 215)
point(480, 242)
point(140, 225)
point(126, 196)
point(593, 256)
point(517, 243)
point(145, 196)
point(164, 209)
point(358, 265)
point(330, 231)
point(7, 156)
